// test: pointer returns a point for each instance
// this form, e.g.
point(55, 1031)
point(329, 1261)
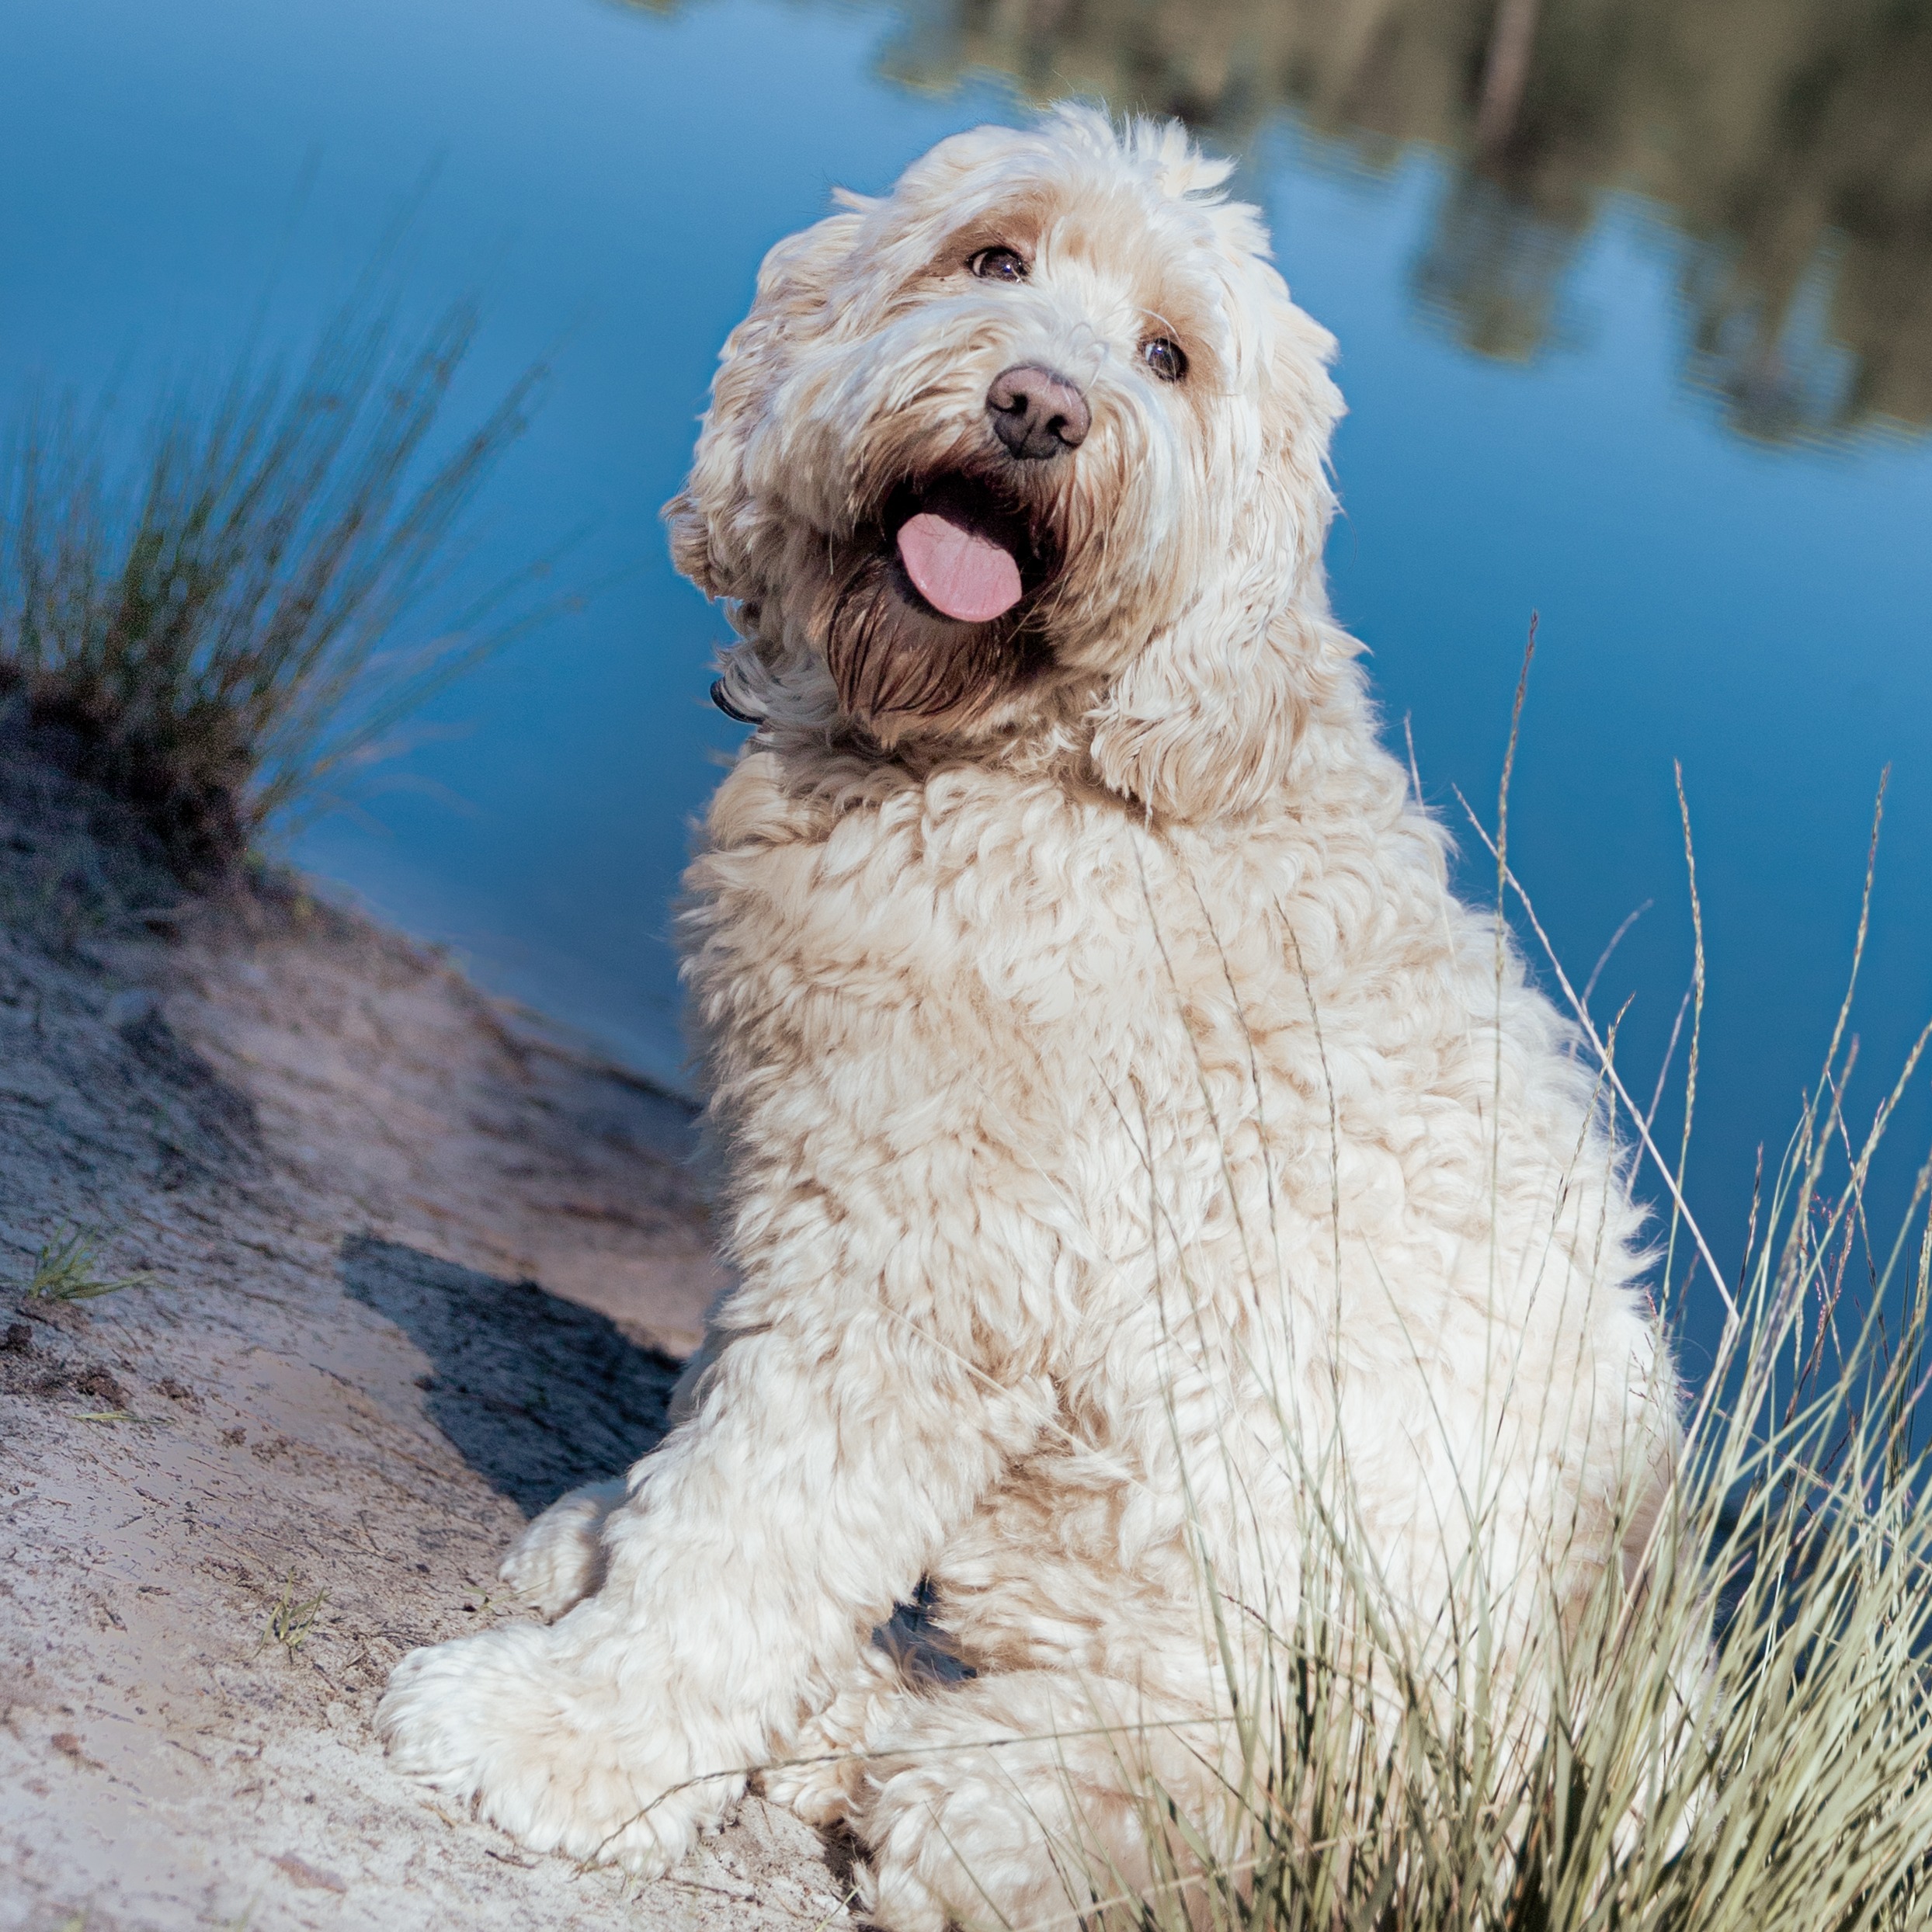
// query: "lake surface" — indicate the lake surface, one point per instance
point(1635, 302)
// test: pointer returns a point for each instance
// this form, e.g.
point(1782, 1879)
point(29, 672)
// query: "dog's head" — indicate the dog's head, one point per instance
point(1033, 447)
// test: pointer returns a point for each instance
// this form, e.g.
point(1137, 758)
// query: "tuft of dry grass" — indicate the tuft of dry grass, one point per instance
point(211, 631)
point(1740, 1738)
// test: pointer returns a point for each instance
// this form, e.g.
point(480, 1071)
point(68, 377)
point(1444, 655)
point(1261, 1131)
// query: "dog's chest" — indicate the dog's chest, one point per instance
point(1067, 1048)
point(995, 907)
point(1014, 935)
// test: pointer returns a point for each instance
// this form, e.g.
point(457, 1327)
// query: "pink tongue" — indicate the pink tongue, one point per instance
point(956, 571)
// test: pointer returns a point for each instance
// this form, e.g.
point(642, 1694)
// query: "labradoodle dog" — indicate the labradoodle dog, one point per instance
point(1137, 1166)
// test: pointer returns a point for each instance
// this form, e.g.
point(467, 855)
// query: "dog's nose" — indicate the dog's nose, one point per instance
point(1036, 413)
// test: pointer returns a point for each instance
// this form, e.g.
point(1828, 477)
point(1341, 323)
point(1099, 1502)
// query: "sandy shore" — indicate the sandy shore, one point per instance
point(410, 1265)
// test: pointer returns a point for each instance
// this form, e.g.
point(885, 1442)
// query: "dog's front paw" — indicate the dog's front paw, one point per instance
point(549, 1747)
point(559, 1559)
point(821, 1779)
point(956, 1845)
point(892, 1895)
point(823, 1774)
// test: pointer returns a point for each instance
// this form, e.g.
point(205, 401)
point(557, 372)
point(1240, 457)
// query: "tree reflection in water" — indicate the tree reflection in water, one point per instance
point(1789, 140)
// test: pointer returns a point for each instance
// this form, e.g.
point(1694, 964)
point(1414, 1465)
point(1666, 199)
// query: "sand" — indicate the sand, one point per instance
point(403, 1265)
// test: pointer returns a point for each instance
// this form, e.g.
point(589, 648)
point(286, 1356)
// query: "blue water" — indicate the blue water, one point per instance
point(608, 177)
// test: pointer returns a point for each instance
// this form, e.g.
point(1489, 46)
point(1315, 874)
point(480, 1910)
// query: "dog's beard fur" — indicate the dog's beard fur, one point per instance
point(899, 668)
point(902, 669)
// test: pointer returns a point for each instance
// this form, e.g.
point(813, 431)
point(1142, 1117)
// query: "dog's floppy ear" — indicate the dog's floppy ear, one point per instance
point(709, 517)
point(1203, 722)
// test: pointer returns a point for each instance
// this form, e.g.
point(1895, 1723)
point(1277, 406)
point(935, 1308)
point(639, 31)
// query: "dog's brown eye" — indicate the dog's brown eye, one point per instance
point(1165, 357)
point(998, 265)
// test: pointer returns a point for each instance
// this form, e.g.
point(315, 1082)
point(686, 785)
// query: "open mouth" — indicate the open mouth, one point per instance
point(936, 618)
point(962, 552)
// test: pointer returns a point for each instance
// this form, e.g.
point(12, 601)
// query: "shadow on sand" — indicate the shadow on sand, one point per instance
point(537, 1394)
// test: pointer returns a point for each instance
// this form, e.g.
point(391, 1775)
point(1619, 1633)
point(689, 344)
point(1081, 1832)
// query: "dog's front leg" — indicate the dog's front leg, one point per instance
point(817, 1475)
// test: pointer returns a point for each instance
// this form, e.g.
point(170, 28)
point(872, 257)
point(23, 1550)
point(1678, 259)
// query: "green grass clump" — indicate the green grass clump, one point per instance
point(214, 635)
point(63, 1270)
point(292, 1620)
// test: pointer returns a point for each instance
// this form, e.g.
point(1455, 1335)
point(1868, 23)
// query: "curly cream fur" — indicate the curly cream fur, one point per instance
point(1124, 1137)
